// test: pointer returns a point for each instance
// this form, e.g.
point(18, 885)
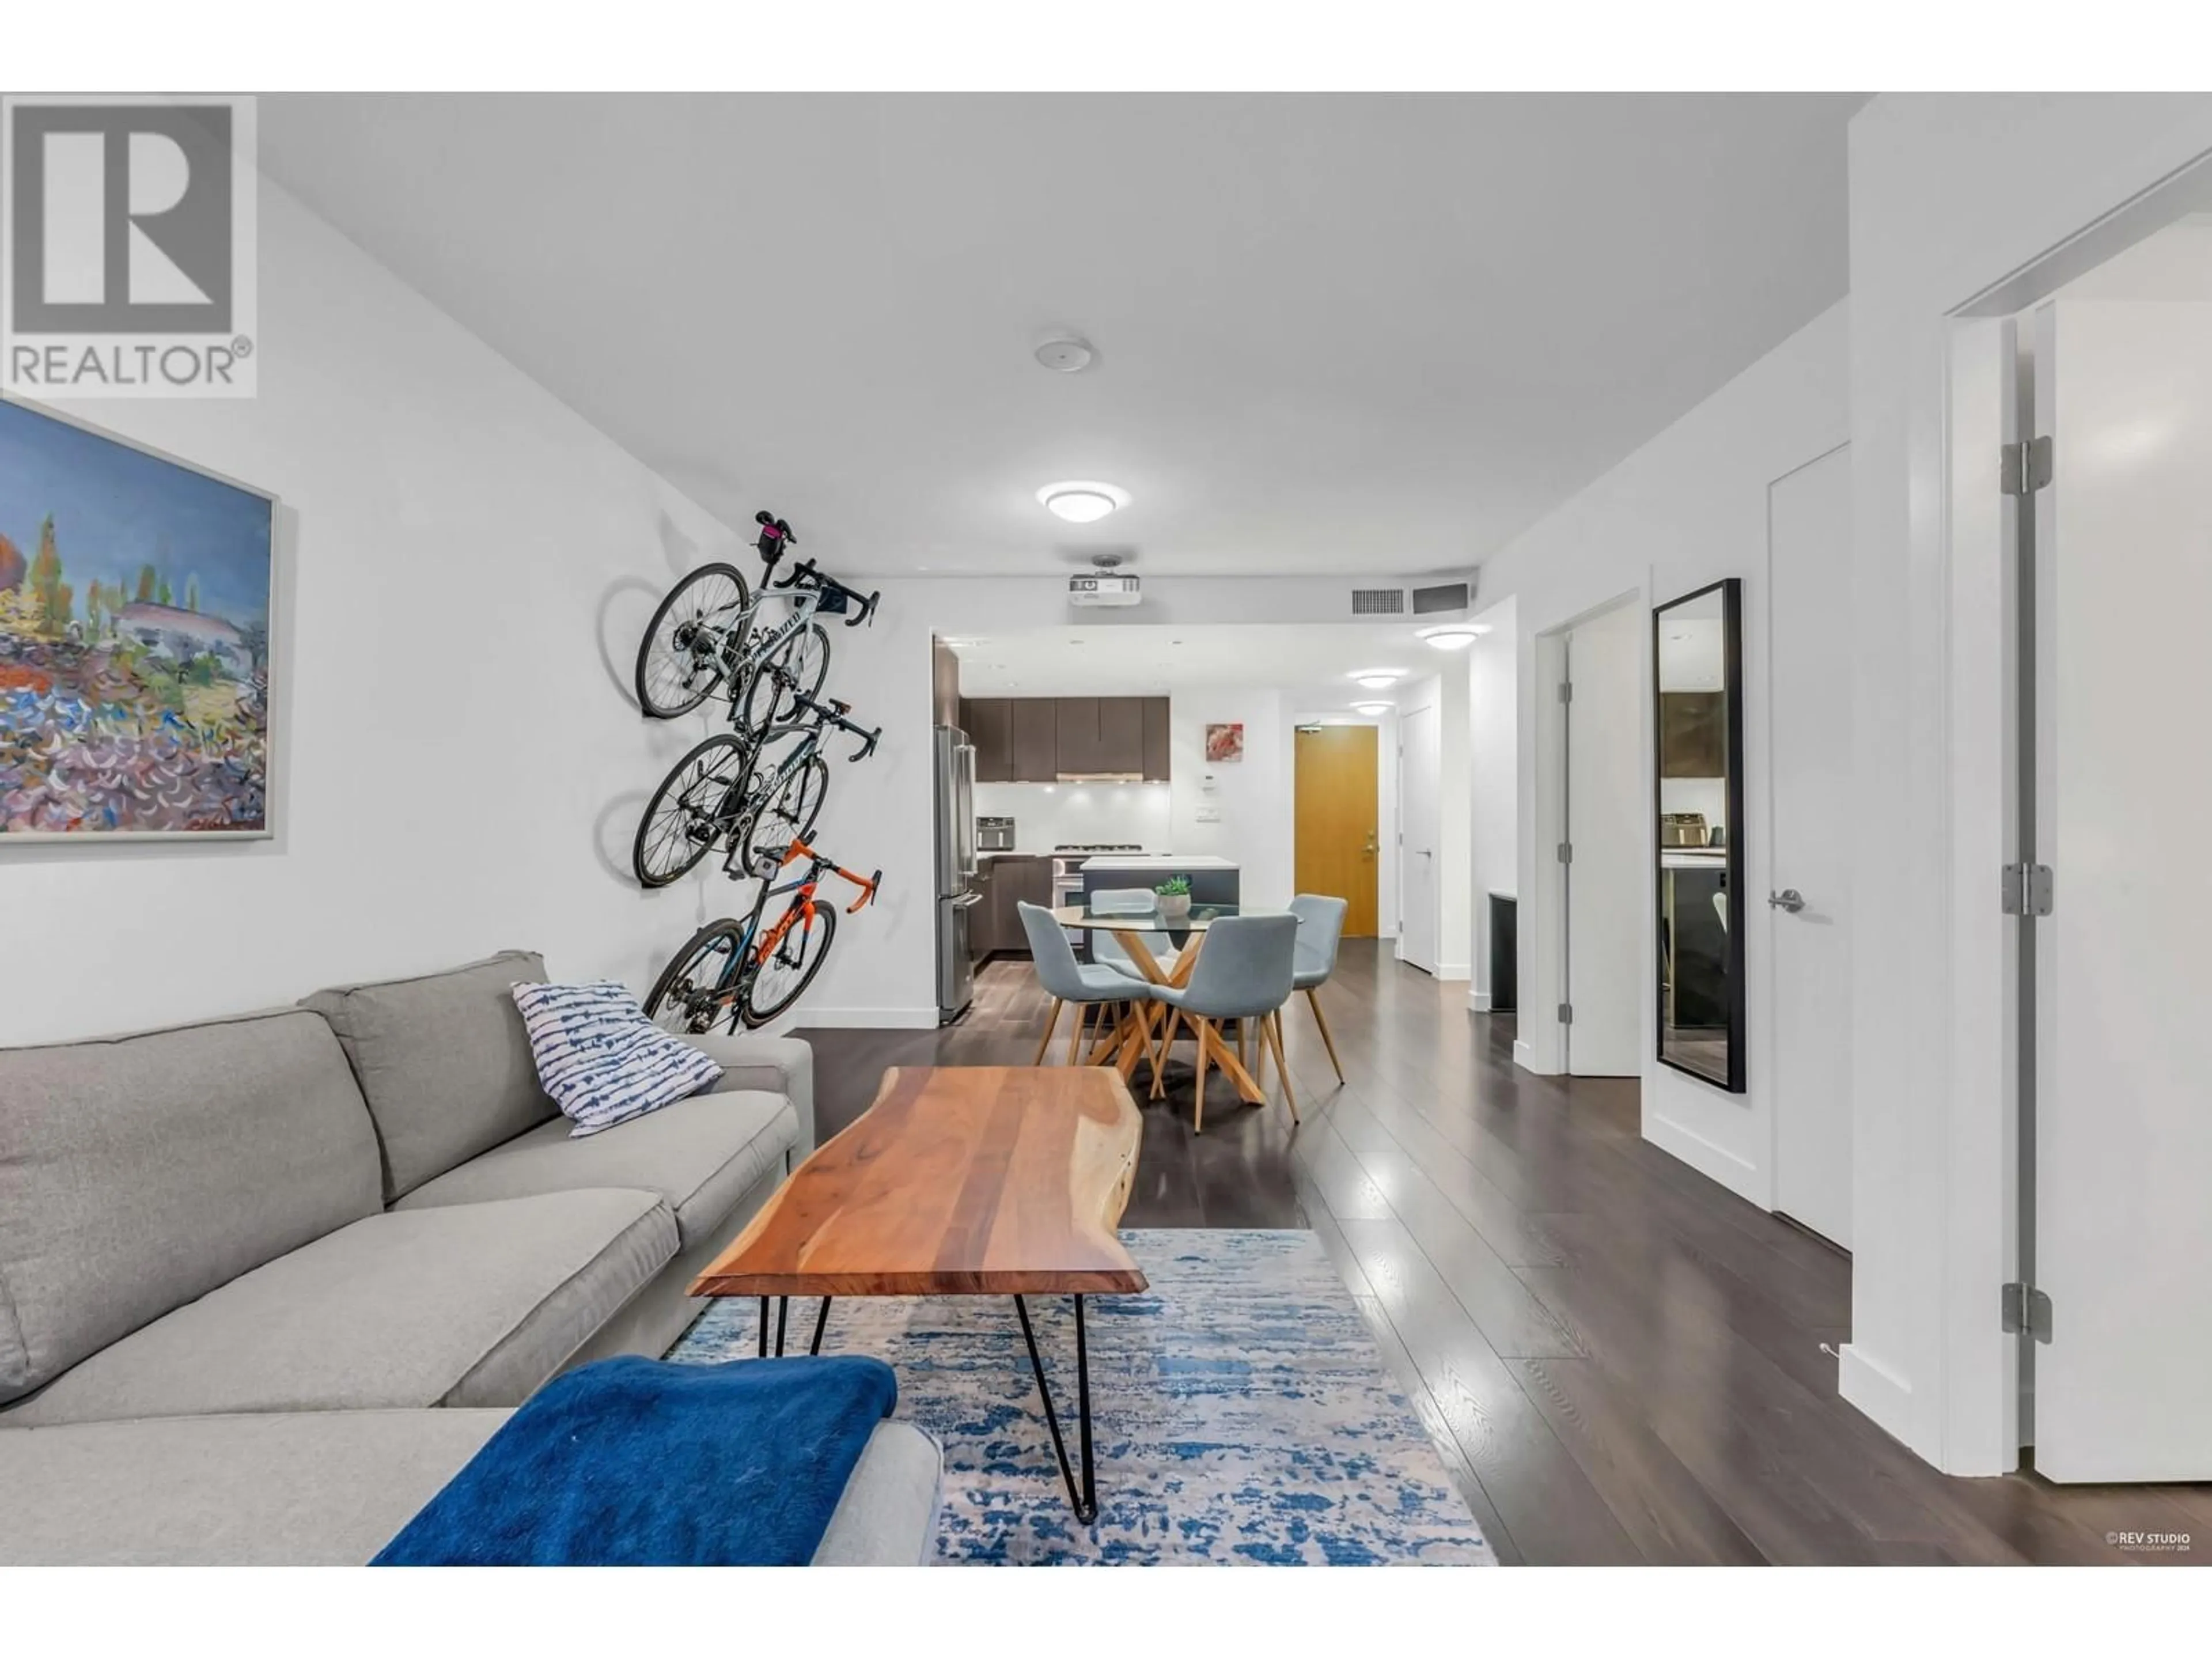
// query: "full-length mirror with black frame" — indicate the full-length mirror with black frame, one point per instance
point(1697, 654)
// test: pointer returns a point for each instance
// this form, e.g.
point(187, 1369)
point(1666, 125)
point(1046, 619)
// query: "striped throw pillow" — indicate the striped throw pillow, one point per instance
point(603, 1061)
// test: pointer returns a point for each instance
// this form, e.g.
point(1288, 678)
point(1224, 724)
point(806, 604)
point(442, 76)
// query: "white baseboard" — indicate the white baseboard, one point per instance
point(1524, 1056)
point(874, 1019)
point(1456, 971)
point(1479, 1001)
point(1878, 1392)
point(1736, 1173)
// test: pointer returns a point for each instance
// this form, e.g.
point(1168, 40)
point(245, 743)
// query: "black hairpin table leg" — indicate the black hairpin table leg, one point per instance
point(783, 1316)
point(1084, 1502)
point(763, 1328)
point(821, 1324)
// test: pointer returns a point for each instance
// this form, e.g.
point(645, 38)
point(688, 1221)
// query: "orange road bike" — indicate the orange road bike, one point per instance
point(735, 972)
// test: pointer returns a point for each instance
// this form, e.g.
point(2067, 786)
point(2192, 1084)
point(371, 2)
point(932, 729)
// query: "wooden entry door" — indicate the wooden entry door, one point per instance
point(1335, 850)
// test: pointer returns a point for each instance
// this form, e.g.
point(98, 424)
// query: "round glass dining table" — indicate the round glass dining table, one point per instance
point(1138, 930)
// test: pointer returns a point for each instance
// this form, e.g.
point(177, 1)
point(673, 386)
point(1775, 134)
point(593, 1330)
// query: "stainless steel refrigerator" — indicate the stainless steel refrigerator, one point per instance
point(957, 868)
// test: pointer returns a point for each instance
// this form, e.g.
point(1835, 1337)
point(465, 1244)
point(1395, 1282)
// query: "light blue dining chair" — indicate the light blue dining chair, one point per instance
point(1243, 973)
point(1320, 927)
point(1087, 985)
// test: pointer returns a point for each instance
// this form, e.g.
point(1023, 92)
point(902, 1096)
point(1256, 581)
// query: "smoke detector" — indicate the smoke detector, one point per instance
point(1066, 354)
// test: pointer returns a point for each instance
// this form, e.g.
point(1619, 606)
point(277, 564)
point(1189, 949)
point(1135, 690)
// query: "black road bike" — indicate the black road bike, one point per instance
point(754, 795)
point(706, 639)
point(747, 971)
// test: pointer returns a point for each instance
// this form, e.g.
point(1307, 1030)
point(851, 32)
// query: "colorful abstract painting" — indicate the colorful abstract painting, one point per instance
point(1225, 742)
point(134, 640)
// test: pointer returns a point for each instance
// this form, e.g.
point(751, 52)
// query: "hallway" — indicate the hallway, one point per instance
point(1620, 1360)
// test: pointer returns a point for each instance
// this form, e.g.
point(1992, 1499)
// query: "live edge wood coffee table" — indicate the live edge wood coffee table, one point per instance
point(959, 1180)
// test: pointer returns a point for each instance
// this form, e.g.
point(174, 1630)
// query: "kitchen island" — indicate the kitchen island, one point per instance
point(1214, 880)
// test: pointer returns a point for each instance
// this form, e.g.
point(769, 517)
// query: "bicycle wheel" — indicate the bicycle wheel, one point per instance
point(800, 664)
point(792, 966)
point(786, 815)
point(685, 999)
point(690, 811)
point(679, 661)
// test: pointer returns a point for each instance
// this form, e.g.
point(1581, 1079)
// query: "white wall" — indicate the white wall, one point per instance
point(1493, 760)
point(1687, 509)
point(1254, 796)
point(1951, 195)
point(1045, 815)
point(465, 568)
point(1447, 691)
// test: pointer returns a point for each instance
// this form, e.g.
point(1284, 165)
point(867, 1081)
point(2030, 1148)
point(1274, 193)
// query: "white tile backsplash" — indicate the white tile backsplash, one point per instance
point(1047, 814)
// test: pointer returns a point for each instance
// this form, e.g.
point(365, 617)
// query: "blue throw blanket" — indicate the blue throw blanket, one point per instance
point(636, 1462)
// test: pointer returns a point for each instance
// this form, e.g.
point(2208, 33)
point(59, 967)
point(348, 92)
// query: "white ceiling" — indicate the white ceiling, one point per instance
point(1336, 333)
point(1313, 661)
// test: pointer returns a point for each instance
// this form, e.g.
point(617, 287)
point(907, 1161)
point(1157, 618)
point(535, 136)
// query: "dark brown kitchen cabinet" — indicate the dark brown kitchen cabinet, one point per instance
point(1039, 739)
point(1006, 883)
point(1035, 726)
point(1154, 719)
point(989, 724)
point(1120, 735)
point(1077, 720)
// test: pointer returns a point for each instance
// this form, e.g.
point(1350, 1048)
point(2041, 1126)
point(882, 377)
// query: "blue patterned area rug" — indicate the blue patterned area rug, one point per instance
point(1241, 1415)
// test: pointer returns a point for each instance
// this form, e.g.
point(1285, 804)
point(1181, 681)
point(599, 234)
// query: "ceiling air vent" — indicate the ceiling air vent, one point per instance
point(1452, 596)
point(1378, 601)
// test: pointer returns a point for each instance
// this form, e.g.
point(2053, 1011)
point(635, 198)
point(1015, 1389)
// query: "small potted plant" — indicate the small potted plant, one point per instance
point(1174, 898)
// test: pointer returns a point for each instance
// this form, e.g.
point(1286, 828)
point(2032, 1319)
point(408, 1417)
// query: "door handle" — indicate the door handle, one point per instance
point(1788, 899)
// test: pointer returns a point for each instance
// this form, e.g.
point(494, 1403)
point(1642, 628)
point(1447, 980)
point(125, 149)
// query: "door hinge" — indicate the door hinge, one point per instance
point(1566, 691)
point(2024, 1307)
point(2027, 889)
point(2026, 467)
point(1567, 1013)
point(1566, 852)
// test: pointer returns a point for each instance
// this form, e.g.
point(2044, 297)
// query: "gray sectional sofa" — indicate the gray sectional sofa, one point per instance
point(266, 1282)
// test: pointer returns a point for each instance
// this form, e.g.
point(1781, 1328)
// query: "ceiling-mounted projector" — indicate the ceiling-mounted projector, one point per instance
point(1105, 585)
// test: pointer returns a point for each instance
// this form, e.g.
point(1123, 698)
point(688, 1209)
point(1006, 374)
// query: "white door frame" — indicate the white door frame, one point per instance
point(1539, 1041)
point(1972, 1424)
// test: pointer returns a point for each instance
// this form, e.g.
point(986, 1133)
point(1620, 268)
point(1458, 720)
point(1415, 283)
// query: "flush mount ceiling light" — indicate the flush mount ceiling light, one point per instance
point(1066, 354)
point(1082, 500)
point(1378, 679)
point(1454, 636)
point(1373, 708)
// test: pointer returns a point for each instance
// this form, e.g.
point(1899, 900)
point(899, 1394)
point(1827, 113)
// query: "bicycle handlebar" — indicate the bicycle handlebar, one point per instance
point(807, 572)
point(835, 713)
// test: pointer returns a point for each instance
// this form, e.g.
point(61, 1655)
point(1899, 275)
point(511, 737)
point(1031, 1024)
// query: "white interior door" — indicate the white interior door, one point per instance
point(1809, 589)
point(1420, 759)
point(2124, 1119)
point(1610, 831)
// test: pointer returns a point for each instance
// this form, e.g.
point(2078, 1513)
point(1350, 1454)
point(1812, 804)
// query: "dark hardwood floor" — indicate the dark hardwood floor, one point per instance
point(1619, 1360)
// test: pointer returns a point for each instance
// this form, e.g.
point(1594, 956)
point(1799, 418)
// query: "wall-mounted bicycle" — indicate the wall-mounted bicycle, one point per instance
point(706, 639)
point(752, 796)
point(748, 971)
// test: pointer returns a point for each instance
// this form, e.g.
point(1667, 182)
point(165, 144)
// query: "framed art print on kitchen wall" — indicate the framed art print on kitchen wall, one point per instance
point(136, 596)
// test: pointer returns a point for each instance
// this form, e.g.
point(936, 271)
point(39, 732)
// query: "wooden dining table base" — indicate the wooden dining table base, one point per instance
point(1131, 1038)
